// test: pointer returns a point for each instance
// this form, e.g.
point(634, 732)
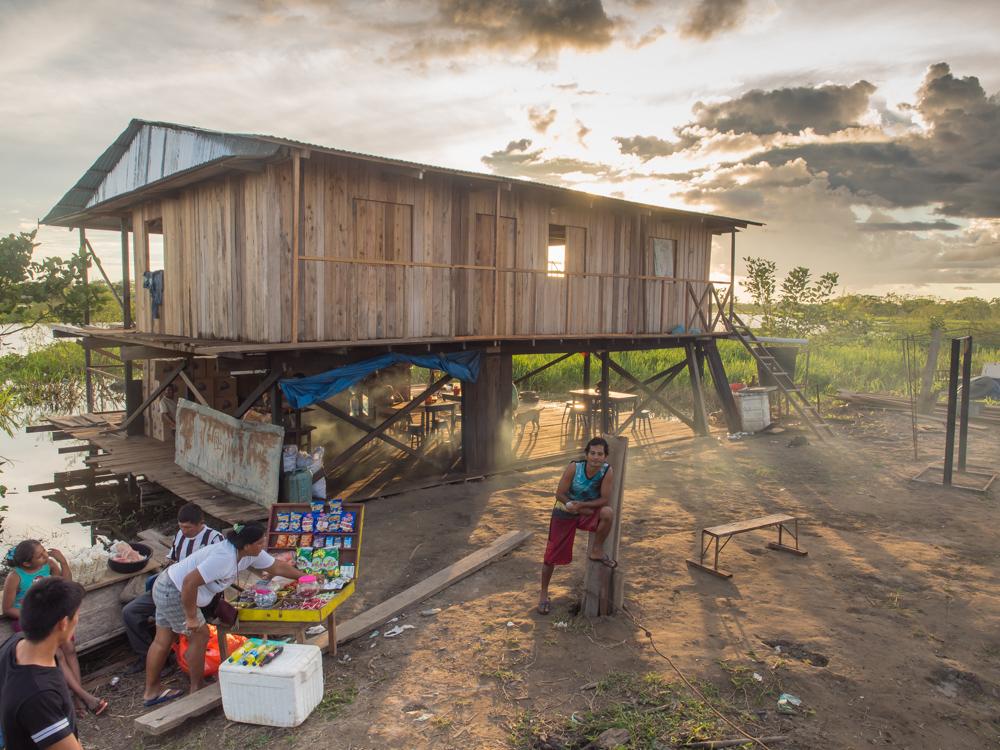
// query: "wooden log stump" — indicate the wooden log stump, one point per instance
point(603, 588)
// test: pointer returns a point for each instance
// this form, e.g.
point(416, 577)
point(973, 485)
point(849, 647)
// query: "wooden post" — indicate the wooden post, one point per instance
point(88, 378)
point(925, 404)
point(603, 589)
point(486, 415)
point(296, 240)
point(949, 436)
point(496, 264)
point(697, 394)
point(963, 424)
point(722, 389)
point(605, 377)
point(732, 275)
point(586, 370)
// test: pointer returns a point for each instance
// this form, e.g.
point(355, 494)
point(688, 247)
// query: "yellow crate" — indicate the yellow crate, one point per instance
point(297, 615)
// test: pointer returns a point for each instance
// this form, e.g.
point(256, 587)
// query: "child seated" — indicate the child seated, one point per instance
point(28, 562)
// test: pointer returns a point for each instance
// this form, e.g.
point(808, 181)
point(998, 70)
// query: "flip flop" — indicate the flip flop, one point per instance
point(166, 696)
point(545, 607)
point(606, 562)
point(100, 708)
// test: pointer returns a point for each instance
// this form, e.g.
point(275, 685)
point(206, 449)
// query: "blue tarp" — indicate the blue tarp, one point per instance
point(301, 392)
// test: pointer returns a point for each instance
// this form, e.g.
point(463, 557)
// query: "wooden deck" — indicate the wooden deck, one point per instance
point(380, 471)
point(154, 460)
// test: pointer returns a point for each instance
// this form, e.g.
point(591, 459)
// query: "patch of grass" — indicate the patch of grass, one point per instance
point(334, 702)
point(656, 713)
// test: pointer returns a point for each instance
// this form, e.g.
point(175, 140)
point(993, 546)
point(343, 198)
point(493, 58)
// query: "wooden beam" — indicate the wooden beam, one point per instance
point(496, 261)
point(722, 389)
point(179, 712)
point(546, 366)
point(355, 422)
point(377, 432)
point(654, 396)
point(296, 239)
point(698, 394)
point(191, 387)
point(90, 249)
point(171, 376)
point(271, 378)
point(668, 377)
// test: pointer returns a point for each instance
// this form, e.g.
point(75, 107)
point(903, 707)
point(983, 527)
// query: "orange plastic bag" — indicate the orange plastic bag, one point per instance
point(212, 657)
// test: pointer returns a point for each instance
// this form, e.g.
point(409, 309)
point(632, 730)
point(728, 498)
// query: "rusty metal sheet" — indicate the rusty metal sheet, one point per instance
point(243, 458)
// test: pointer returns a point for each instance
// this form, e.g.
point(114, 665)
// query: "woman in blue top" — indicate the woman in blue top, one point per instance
point(30, 561)
point(581, 503)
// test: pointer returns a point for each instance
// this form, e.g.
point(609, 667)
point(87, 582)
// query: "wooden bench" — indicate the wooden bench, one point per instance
point(729, 530)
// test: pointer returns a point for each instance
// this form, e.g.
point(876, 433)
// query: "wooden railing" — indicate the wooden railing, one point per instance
point(394, 299)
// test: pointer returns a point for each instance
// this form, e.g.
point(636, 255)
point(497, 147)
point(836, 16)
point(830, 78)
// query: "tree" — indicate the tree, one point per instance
point(798, 310)
point(32, 291)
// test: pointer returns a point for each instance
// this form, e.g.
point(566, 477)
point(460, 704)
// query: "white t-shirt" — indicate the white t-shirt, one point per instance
point(218, 565)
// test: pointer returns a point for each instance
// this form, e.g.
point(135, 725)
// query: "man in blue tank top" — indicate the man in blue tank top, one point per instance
point(581, 503)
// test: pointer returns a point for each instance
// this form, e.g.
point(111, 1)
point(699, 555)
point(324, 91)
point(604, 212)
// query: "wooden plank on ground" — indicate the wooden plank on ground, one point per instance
point(174, 714)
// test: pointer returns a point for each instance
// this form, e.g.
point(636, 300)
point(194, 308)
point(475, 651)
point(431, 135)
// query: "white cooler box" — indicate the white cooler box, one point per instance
point(755, 407)
point(280, 694)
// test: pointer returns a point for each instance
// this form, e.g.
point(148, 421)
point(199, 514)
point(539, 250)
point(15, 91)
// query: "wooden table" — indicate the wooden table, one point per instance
point(427, 413)
point(268, 622)
point(591, 397)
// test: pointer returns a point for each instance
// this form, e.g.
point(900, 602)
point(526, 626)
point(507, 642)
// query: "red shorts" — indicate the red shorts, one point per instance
point(562, 533)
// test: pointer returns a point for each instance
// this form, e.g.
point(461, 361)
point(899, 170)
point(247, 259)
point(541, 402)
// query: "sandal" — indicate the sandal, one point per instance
point(100, 708)
point(606, 562)
point(167, 695)
point(545, 607)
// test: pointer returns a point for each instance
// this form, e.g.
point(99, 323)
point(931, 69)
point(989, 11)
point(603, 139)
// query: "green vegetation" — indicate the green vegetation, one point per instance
point(656, 714)
point(856, 343)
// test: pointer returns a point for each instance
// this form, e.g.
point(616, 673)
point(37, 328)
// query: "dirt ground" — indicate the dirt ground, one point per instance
point(886, 630)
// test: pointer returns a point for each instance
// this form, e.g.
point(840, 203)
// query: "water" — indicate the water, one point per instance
point(32, 459)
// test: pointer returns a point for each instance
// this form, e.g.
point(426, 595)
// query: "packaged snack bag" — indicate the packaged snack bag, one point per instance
point(333, 542)
point(336, 505)
point(294, 521)
point(318, 541)
point(308, 522)
point(322, 522)
point(318, 506)
point(331, 561)
point(319, 561)
point(282, 522)
point(348, 542)
point(293, 540)
point(347, 571)
point(306, 540)
point(303, 558)
point(281, 541)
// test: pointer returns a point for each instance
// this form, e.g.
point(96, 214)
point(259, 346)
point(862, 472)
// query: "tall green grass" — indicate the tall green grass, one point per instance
point(871, 364)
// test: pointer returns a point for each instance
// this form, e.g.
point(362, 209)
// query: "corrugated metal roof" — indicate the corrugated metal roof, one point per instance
point(126, 169)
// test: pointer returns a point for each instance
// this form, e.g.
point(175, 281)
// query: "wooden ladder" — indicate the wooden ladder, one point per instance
point(796, 397)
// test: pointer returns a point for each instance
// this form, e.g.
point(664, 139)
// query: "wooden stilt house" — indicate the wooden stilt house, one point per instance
point(285, 257)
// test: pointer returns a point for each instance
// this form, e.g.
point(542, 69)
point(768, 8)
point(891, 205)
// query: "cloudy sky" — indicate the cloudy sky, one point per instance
point(866, 135)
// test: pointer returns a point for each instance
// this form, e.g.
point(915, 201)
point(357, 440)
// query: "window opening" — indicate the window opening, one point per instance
point(556, 260)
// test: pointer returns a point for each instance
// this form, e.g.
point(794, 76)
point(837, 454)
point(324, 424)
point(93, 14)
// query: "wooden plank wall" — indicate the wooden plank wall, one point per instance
point(228, 256)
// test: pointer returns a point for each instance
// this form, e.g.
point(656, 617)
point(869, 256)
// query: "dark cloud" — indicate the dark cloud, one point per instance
point(518, 159)
point(908, 226)
point(648, 147)
point(541, 119)
point(823, 109)
point(710, 17)
point(953, 165)
point(544, 26)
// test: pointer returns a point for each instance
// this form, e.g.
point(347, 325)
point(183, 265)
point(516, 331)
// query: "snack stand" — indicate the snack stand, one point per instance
point(321, 538)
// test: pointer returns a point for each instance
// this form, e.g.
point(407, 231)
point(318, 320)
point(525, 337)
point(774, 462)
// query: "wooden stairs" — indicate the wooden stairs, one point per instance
point(807, 412)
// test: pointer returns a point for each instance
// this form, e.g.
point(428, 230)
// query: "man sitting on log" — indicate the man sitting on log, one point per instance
point(192, 534)
point(582, 499)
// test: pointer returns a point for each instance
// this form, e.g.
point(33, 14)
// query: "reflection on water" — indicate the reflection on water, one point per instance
point(64, 518)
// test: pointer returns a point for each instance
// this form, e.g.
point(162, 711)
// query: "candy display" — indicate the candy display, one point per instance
point(256, 653)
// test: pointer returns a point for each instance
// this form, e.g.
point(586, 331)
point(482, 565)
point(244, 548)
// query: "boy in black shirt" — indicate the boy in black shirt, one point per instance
point(36, 710)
